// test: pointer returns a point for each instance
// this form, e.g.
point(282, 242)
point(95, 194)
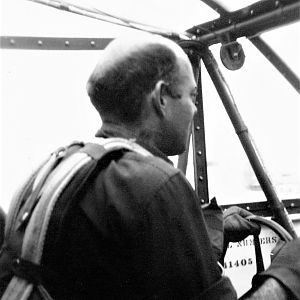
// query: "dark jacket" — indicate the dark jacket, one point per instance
point(135, 232)
point(2, 225)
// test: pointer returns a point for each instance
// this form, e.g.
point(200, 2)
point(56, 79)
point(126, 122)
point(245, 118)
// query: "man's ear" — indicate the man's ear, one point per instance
point(159, 98)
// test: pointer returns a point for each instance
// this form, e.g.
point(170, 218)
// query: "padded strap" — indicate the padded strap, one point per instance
point(36, 188)
point(34, 237)
point(28, 270)
point(49, 183)
point(16, 203)
point(18, 199)
point(33, 241)
point(111, 144)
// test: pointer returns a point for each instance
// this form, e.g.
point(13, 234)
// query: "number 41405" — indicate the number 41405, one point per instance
point(238, 263)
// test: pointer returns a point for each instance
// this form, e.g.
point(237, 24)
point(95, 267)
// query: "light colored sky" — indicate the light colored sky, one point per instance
point(44, 103)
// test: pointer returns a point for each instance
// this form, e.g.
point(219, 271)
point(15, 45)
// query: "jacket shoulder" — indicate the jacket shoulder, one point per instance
point(153, 167)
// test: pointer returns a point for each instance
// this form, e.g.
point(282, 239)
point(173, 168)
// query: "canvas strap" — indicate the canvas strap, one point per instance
point(50, 183)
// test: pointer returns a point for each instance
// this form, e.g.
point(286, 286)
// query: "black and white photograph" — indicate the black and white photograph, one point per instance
point(150, 149)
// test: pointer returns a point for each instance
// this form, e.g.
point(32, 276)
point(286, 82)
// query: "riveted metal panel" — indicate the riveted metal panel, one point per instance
point(53, 43)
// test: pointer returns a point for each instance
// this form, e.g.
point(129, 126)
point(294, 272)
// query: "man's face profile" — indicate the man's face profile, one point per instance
point(182, 109)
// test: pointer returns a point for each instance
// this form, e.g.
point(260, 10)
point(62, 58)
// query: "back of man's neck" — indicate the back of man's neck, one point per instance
point(114, 129)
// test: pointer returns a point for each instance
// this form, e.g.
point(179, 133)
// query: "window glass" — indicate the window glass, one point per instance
point(285, 41)
point(177, 15)
point(270, 107)
point(44, 105)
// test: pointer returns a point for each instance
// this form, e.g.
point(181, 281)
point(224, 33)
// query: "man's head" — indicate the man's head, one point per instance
point(135, 81)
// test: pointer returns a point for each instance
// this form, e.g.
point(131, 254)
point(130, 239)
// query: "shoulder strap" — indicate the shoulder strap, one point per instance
point(111, 144)
point(48, 184)
point(20, 204)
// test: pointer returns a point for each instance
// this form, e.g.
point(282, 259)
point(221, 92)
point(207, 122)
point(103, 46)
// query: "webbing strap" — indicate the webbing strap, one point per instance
point(15, 203)
point(35, 234)
point(17, 289)
point(33, 241)
point(50, 188)
point(36, 188)
point(111, 144)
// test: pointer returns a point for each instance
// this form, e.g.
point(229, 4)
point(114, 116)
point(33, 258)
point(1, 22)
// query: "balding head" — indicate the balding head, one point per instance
point(128, 70)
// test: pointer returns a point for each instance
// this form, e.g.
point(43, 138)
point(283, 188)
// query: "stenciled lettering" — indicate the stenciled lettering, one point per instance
point(238, 263)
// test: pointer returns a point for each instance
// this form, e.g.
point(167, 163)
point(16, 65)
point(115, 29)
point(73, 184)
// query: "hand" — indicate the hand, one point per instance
point(236, 227)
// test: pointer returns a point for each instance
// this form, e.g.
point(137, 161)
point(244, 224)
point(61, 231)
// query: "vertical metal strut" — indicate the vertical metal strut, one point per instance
point(198, 137)
point(278, 209)
point(198, 134)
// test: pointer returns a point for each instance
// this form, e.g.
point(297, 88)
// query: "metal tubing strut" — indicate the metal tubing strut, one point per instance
point(279, 211)
point(277, 62)
point(244, 23)
point(217, 7)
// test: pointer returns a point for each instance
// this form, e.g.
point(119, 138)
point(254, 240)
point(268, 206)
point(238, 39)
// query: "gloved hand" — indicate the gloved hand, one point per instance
point(285, 267)
point(236, 227)
point(215, 226)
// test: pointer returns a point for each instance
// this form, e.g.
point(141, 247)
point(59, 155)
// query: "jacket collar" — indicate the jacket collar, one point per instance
point(115, 130)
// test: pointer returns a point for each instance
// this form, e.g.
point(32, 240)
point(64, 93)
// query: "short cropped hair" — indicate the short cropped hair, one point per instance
point(119, 91)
